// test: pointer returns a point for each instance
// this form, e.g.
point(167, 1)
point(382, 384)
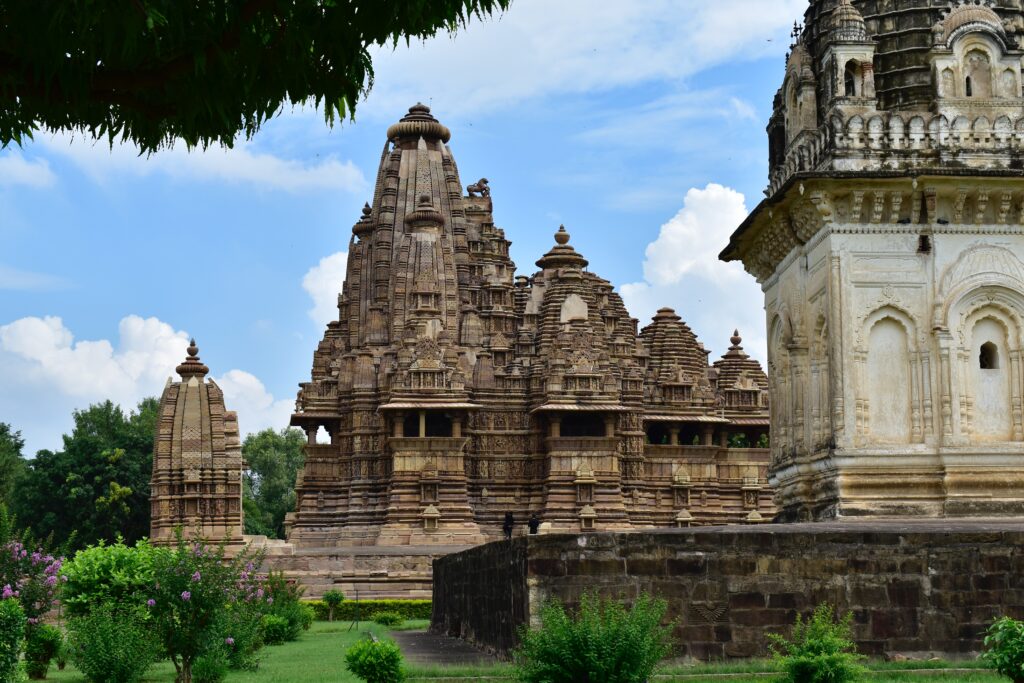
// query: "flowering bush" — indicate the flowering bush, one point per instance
point(197, 596)
point(12, 633)
point(30, 576)
point(116, 574)
point(284, 601)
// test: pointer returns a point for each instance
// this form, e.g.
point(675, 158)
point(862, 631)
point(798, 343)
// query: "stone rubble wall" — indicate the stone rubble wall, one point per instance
point(917, 588)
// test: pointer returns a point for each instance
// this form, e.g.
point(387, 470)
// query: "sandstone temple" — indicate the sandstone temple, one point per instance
point(454, 391)
point(889, 248)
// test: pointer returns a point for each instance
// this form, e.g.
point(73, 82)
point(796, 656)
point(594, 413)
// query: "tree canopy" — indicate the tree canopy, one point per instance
point(203, 71)
point(274, 459)
point(97, 486)
point(12, 463)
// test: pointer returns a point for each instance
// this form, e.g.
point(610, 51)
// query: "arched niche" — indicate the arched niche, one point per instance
point(978, 73)
point(888, 378)
point(989, 338)
point(989, 380)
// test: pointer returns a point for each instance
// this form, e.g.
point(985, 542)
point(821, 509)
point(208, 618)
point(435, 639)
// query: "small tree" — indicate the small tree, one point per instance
point(332, 599)
point(820, 650)
point(193, 588)
point(1004, 648)
point(602, 643)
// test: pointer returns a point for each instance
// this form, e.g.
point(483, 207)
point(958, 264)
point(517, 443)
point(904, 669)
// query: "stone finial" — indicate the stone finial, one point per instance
point(419, 123)
point(562, 255)
point(425, 213)
point(191, 366)
point(367, 210)
point(735, 339)
point(562, 236)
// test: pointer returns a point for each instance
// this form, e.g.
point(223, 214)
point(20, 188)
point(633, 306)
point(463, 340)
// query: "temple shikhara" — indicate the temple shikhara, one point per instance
point(197, 460)
point(889, 249)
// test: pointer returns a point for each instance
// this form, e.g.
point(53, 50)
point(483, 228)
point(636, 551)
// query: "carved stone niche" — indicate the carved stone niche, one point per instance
point(587, 517)
point(430, 515)
point(585, 482)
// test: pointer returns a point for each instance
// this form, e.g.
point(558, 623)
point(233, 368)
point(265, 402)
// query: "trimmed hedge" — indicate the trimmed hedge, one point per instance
point(346, 611)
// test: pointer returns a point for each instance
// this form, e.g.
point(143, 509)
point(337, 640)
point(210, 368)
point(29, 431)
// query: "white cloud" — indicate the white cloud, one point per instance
point(323, 283)
point(576, 46)
point(682, 270)
point(47, 374)
point(243, 164)
point(257, 409)
point(25, 280)
point(16, 170)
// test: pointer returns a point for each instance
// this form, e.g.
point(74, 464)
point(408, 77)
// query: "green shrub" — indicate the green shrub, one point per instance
point(41, 646)
point(63, 655)
point(111, 645)
point(375, 661)
point(283, 597)
point(275, 629)
point(114, 574)
point(602, 643)
point(387, 618)
point(243, 635)
point(332, 599)
point(821, 650)
point(12, 634)
point(211, 667)
point(1004, 647)
point(346, 611)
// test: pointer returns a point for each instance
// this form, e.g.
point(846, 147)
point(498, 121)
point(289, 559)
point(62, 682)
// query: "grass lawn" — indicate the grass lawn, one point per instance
point(318, 656)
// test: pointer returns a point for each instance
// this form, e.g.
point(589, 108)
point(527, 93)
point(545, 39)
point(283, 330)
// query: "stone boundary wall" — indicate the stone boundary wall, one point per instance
point(913, 588)
point(481, 594)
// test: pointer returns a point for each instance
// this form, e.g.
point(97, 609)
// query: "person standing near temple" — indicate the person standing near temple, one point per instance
point(508, 525)
point(534, 524)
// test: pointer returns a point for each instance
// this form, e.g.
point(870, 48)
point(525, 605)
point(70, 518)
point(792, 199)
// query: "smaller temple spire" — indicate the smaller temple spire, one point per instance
point(192, 366)
point(736, 349)
point(562, 255)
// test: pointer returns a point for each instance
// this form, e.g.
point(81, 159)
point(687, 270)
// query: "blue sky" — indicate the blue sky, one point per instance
point(640, 126)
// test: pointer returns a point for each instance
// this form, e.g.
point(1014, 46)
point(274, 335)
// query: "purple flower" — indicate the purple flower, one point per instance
point(151, 602)
point(229, 642)
point(32, 621)
point(197, 577)
point(7, 592)
point(51, 581)
point(259, 593)
point(270, 601)
point(186, 596)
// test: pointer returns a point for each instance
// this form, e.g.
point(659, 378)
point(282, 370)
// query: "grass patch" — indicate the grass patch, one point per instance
point(318, 657)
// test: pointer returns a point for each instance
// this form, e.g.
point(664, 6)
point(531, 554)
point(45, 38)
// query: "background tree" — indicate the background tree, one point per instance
point(98, 485)
point(203, 71)
point(12, 463)
point(274, 460)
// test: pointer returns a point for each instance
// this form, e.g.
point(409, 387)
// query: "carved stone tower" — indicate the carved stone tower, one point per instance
point(890, 249)
point(453, 392)
point(197, 460)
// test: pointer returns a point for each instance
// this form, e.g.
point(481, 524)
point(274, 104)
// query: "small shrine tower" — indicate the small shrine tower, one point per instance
point(197, 460)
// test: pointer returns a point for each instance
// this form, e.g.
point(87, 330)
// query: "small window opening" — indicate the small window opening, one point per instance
point(988, 359)
point(924, 244)
point(850, 80)
point(438, 425)
point(967, 88)
point(411, 426)
point(587, 425)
